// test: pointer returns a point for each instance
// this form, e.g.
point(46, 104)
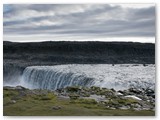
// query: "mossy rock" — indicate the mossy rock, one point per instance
point(94, 88)
point(109, 94)
point(86, 89)
point(72, 89)
point(74, 96)
point(113, 102)
point(85, 95)
point(119, 102)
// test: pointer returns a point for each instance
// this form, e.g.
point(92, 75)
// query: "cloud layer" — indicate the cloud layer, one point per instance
point(77, 21)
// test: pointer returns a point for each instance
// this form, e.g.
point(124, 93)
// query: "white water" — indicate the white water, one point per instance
point(102, 75)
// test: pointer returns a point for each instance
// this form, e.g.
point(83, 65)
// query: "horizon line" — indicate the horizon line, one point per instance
point(40, 41)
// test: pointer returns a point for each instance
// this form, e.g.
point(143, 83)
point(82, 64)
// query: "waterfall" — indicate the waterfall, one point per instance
point(101, 75)
point(49, 78)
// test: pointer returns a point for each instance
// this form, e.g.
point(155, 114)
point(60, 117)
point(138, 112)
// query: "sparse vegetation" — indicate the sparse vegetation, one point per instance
point(43, 102)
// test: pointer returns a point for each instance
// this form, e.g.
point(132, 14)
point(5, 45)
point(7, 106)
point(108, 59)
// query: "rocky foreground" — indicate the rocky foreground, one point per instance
point(78, 101)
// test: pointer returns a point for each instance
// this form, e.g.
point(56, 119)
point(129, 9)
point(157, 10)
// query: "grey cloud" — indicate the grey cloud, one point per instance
point(93, 20)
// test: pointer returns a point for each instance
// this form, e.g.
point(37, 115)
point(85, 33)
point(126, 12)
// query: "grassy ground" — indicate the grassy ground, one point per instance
point(49, 104)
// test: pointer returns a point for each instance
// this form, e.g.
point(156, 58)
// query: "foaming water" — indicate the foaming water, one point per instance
point(121, 76)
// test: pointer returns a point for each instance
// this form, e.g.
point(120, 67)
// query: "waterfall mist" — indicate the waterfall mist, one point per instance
point(12, 75)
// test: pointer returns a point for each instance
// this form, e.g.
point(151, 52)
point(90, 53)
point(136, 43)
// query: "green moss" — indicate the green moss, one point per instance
point(118, 102)
point(6, 101)
point(85, 101)
point(9, 93)
point(48, 96)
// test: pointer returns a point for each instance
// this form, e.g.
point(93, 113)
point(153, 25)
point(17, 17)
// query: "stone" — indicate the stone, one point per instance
point(109, 94)
point(13, 101)
point(20, 88)
point(124, 107)
point(137, 109)
point(153, 95)
point(137, 105)
point(22, 93)
point(149, 92)
point(104, 102)
point(63, 97)
point(133, 97)
point(8, 88)
point(135, 91)
point(124, 92)
point(146, 108)
point(118, 94)
point(74, 96)
point(113, 90)
point(97, 98)
point(148, 100)
point(95, 88)
point(72, 89)
point(112, 108)
point(85, 94)
point(56, 107)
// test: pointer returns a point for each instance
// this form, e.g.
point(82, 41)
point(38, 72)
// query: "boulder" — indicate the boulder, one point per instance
point(150, 92)
point(135, 91)
point(118, 94)
point(137, 109)
point(133, 97)
point(8, 88)
point(109, 94)
point(56, 107)
point(74, 96)
point(112, 108)
point(124, 107)
point(97, 98)
point(72, 89)
point(13, 101)
point(20, 88)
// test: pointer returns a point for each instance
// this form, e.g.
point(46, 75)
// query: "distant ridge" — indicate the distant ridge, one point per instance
point(71, 52)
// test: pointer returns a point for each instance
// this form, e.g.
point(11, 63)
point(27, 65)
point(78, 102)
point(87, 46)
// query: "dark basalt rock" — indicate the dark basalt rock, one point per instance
point(20, 88)
point(135, 91)
point(14, 88)
point(149, 92)
point(72, 89)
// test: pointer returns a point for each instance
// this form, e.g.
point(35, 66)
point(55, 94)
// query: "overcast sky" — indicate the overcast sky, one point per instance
point(91, 22)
